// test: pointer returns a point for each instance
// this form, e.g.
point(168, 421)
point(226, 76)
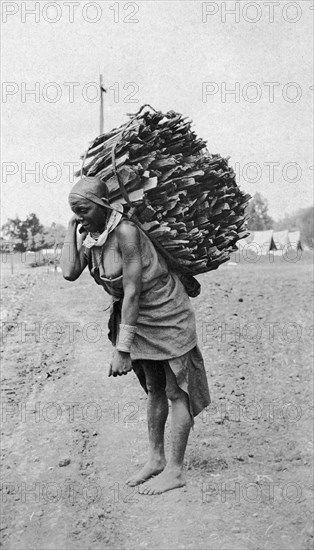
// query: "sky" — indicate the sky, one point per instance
point(241, 70)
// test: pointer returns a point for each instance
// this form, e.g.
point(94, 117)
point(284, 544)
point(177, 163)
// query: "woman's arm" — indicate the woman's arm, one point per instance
point(130, 248)
point(73, 260)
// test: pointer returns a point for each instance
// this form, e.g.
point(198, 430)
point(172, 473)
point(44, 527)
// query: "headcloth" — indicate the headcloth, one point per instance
point(96, 191)
point(93, 189)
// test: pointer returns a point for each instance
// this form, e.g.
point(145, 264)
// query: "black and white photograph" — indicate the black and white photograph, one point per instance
point(162, 149)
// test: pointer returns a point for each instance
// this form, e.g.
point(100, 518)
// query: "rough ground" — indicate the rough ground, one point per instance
point(71, 435)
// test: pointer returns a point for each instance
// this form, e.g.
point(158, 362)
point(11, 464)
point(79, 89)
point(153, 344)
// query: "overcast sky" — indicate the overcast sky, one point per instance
point(181, 55)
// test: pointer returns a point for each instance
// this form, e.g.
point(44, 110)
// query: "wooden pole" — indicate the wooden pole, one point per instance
point(101, 114)
point(55, 257)
point(12, 260)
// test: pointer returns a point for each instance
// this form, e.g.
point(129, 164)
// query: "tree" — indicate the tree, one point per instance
point(55, 234)
point(258, 212)
point(305, 217)
point(35, 232)
point(303, 220)
point(16, 233)
point(24, 235)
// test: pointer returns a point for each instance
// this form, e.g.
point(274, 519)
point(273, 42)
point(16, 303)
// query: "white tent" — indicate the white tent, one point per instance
point(295, 240)
point(263, 241)
point(281, 239)
point(241, 243)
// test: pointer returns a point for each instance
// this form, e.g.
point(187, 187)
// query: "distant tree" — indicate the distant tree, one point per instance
point(25, 235)
point(16, 233)
point(35, 232)
point(306, 223)
point(303, 220)
point(258, 211)
point(287, 222)
point(35, 241)
point(55, 234)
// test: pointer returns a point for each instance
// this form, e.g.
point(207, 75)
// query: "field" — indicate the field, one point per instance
point(20, 262)
point(71, 435)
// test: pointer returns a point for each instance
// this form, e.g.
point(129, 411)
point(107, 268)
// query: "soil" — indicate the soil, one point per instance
point(71, 436)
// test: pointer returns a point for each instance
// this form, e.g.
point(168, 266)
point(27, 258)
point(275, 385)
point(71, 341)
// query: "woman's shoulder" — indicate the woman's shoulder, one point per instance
point(126, 228)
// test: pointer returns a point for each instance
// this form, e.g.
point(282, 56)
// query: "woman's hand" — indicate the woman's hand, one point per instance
point(120, 363)
point(73, 260)
point(74, 220)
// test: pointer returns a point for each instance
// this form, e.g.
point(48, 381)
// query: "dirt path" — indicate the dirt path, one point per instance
point(71, 435)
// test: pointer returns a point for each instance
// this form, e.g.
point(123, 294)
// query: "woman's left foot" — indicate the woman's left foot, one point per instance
point(166, 481)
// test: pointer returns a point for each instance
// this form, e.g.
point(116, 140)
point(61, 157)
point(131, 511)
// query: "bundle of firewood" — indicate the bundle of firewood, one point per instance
point(184, 198)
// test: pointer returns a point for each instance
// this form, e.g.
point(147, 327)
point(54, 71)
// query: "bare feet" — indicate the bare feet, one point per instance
point(167, 480)
point(151, 468)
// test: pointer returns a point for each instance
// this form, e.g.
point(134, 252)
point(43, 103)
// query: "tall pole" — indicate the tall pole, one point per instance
point(101, 115)
point(12, 259)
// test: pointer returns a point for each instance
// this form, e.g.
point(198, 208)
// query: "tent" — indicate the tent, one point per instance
point(281, 239)
point(295, 240)
point(263, 241)
point(241, 243)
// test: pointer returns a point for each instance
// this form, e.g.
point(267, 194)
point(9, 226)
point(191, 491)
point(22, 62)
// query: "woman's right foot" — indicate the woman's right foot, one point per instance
point(151, 468)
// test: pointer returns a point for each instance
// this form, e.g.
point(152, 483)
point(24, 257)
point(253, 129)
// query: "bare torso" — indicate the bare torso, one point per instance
point(112, 257)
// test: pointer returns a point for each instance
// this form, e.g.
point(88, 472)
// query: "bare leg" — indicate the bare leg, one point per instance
point(172, 476)
point(157, 412)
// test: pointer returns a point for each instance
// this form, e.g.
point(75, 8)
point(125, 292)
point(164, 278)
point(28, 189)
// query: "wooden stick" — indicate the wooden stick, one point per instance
point(101, 114)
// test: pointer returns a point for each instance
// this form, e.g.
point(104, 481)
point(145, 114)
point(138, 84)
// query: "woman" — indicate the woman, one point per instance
point(152, 324)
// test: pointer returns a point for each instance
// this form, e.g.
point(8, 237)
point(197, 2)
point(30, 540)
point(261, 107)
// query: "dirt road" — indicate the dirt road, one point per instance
point(71, 435)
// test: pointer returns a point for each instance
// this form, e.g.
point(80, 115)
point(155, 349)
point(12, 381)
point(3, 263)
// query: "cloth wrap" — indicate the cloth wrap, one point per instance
point(188, 368)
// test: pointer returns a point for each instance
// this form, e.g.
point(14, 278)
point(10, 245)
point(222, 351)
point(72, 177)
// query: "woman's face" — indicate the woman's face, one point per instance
point(92, 216)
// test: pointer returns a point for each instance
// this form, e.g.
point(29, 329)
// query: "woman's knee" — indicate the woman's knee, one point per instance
point(173, 392)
